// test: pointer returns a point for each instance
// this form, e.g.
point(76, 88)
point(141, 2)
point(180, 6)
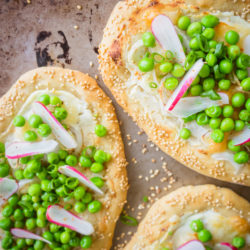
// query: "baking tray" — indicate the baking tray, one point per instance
point(67, 33)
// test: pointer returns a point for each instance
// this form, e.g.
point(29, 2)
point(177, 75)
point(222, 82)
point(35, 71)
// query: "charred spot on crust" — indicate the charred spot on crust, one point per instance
point(115, 51)
point(153, 3)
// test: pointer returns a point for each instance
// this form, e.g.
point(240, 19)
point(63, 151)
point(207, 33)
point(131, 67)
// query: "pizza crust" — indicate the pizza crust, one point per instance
point(190, 199)
point(83, 87)
point(130, 18)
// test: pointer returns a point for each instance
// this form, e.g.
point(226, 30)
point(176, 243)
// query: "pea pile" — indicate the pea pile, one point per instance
point(223, 62)
point(28, 210)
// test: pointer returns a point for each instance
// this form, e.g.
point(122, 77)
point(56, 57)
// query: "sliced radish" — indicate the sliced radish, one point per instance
point(22, 233)
point(224, 246)
point(243, 137)
point(184, 85)
point(17, 150)
point(58, 130)
point(7, 188)
point(191, 105)
point(192, 245)
point(72, 172)
point(58, 215)
point(165, 33)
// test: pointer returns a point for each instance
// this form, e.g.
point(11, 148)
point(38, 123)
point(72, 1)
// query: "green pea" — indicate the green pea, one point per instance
point(185, 133)
point(196, 225)
point(210, 21)
point(238, 242)
point(65, 237)
point(214, 123)
point(45, 99)
point(55, 100)
point(71, 160)
point(232, 37)
point(87, 198)
point(33, 166)
point(194, 29)
point(89, 151)
point(208, 84)
point(183, 22)
point(13, 200)
point(62, 154)
point(20, 243)
point(79, 207)
point(44, 130)
point(57, 236)
point(19, 224)
point(19, 174)
point(39, 245)
point(239, 125)
point(245, 84)
point(86, 241)
point(241, 157)
point(238, 100)
point(98, 181)
point(242, 61)
point(224, 84)
point(212, 44)
point(74, 242)
point(7, 241)
point(35, 189)
point(196, 81)
point(85, 161)
point(100, 130)
point(204, 235)
point(196, 90)
point(53, 158)
point(241, 74)
point(213, 111)
point(5, 223)
point(28, 213)
point(247, 104)
point(7, 211)
point(2, 148)
point(178, 70)
point(217, 135)
point(60, 113)
point(227, 111)
point(171, 83)
point(40, 222)
point(41, 213)
point(226, 66)
point(166, 67)
point(19, 121)
point(211, 59)
point(96, 167)
point(233, 51)
point(205, 71)
point(30, 223)
point(79, 192)
point(146, 64)
point(244, 115)
point(4, 170)
point(100, 156)
point(53, 227)
point(227, 124)
point(35, 121)
point(48, 235)
point(94, 206)
point(29, 242)
point(148, 39)
point(42, 175)
point(46, 185)
point(208, 33)
point(30, 136)
point(232, 147)
point(194, 44)
point(202, 119)
point(18, 214)
point(24, 160)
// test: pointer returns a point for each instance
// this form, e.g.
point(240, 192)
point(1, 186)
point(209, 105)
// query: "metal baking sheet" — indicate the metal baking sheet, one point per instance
point(67, 33)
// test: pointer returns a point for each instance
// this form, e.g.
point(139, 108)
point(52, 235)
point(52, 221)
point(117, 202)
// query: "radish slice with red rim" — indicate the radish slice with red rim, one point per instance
point(59, 216)
point(191, 105)
point(22, 233)
point(58, 130)
point(192, 245)
point(243, 137)
point(17, 150)
point(224, 246)
point(72, 172)
point(7, 188)
point(165, 33)
point(184, 85)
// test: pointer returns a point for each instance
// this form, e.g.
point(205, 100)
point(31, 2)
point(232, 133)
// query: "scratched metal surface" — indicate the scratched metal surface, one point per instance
point(42, 33)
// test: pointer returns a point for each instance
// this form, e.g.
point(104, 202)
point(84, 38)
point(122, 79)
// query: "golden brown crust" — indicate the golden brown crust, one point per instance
point(83, 87)
point(193, 199)
point(130, 18)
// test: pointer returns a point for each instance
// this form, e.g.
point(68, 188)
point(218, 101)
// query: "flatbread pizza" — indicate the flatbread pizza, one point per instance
point(180, 69)
point(63, 170)
point(195, 218)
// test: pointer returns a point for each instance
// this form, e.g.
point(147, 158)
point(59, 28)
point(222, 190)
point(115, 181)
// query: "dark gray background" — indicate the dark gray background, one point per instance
point(42, 33)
